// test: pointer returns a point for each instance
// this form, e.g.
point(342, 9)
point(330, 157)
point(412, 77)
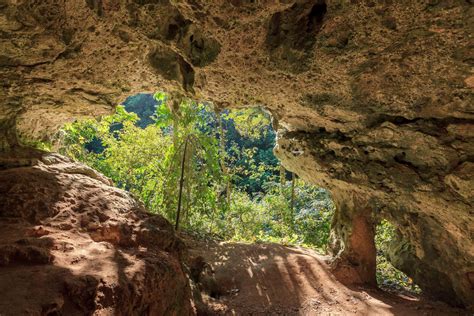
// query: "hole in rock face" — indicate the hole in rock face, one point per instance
point(172, 66)
point(389, 277)
point(215, 175)
point(316, 16)
point(318, 12)
point(297, 26)
point(172, 31)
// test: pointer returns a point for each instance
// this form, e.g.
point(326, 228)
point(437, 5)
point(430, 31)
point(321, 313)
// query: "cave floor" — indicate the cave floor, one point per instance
point(272, 279)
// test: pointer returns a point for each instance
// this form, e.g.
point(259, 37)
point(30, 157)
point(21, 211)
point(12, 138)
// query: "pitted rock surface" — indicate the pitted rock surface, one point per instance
point(372, 99)
point(71, 244)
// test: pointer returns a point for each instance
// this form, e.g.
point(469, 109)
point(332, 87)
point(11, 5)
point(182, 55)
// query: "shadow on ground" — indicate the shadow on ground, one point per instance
point(272, 279)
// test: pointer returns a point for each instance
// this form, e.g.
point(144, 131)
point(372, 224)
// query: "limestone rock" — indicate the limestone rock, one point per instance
point(374, 99)
point(74, 245)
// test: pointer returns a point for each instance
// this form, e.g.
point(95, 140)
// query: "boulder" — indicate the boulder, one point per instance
point(71, 244)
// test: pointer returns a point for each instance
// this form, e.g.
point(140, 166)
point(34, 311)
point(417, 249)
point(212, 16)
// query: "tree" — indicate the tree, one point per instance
point(179, 165)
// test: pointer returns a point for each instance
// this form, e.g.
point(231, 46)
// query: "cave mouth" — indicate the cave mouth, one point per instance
point(389, 278)
point(252, 198)
point(215, 172)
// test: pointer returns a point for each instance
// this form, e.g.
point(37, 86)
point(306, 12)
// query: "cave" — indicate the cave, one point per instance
point(372, 100)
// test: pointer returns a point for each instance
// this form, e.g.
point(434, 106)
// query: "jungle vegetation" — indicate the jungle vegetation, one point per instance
point(212, 173)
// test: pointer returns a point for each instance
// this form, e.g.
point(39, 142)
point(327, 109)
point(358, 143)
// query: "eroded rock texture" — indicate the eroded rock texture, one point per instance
point(70, 244)
point(373, 99)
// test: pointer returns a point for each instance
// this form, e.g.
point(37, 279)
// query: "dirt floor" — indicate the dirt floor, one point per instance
point(271, 279)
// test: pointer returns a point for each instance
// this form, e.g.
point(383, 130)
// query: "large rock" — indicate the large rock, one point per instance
point(376, 97)
point(434, 222)
point(70, 244)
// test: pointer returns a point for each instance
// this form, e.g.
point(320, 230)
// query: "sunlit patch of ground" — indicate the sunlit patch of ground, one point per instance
point(271, 279)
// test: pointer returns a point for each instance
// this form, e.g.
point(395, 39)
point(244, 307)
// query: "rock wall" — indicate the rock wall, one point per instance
point(435, 225)
point(373, 100)
point(70, 244)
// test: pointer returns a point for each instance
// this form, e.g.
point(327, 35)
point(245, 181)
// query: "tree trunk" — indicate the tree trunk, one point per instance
point(181, 182)
point(174, 113)
point(282, 178)
point(189, 176)
point(225, 171)
point(293, 179)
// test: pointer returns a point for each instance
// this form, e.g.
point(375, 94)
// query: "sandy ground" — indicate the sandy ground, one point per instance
point(272, 279)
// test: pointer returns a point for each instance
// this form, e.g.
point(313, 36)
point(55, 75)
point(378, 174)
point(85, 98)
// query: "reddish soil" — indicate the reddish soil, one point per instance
point(271, 279)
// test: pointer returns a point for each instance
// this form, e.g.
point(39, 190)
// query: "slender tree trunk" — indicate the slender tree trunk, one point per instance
point(174, 113)
point(172, 185)
point(181, 182)
point(282, 178)
point(189, 177)
point(225, 171)
point(229, 192)
point(293, 179)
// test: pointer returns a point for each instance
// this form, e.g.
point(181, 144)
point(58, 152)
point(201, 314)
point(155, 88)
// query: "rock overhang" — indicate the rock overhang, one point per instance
point(378, 96)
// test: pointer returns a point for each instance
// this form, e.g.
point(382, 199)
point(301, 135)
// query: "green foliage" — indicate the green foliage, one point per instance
point(249, 149)
point(270, 218)
point(251, 122)
point(143, 105)
point(387, 275)
point(233, 150)
point(37, 144)
point(147, 162)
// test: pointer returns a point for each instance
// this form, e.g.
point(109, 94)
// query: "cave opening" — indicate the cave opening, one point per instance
point(377, 100)
point(388, 277)
point(249, 223)
point(253, 198)
point(208, 171)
